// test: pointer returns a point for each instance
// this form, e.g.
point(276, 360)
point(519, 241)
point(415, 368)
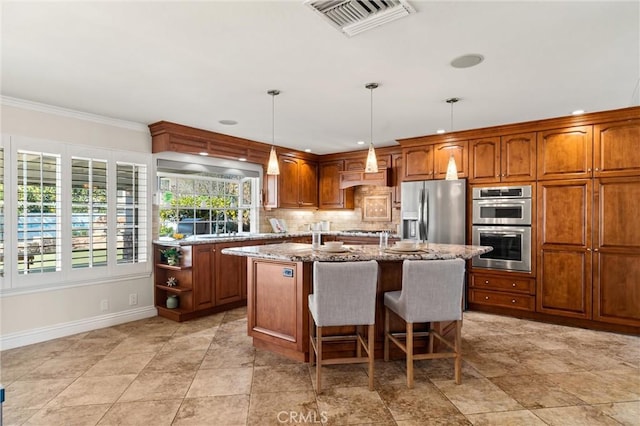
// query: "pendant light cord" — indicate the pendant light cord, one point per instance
point(273, 119)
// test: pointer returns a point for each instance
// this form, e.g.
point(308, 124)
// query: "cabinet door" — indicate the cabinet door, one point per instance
point(418, 162)
point(288, 182)
point(396, 179)
point(616, 295)
point(308, 183)
point(617, 149)
point(443, 152)
point(203, 278)
point(564, 244)
point(330, 194)
point(230, 273)
point(484, 160)
point(565, 153)
point(356, 164)
point(518, 157)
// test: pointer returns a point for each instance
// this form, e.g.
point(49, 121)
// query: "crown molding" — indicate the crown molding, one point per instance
point(70, 113)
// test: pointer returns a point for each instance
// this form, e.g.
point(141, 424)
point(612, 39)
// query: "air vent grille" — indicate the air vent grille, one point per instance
point(355, 16)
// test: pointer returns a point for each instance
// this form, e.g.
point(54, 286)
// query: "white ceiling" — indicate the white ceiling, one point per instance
point(196, 63)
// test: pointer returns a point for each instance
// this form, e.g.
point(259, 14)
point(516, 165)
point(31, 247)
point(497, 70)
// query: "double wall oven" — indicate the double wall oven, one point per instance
point(502, 220)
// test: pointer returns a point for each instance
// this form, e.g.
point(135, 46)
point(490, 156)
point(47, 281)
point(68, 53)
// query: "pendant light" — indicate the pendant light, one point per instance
point(371, 165)
point(452, 169)
point(272, 166)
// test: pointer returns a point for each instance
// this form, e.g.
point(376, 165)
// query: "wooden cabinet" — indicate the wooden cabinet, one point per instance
point(616, 149)
point(426, 162)
point(330, 194)
point(616, 251)
point(203, 276)
point(298, 183)
point(230, 274)
point(564, 244)
point(182, 274)
point(359, 163)
point(503, 290)
point(565, 153)
point(509, 158)
point(396, 179)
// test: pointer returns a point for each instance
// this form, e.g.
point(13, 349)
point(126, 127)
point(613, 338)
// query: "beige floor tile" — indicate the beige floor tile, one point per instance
point(228, 357)
point(264, 358)
point(281, 378)
point(85, 415)
point(626, 413)
point(496, 364)
point(506, 418)
point(227, 410)
point(94, 346)
point(391, 373)
point(33, 394)
point(453, 420)
point(278, 408)
point(120, 363)
point(353, 405)
point(443, 369)
point(12, 370)
point(536, 391)
point(175, 361)
point(187, 343)
point(598, 388)
point(158, 386)
point(421, 403)
point(477, 396)
point(221, 381)
point(17, 416)
point(156, 413)
point(577, 415)
point(340, 376)
point(141, 344)
point(93, 390)
point(63, 367)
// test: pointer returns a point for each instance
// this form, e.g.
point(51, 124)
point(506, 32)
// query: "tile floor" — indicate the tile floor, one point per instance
point(206, 372)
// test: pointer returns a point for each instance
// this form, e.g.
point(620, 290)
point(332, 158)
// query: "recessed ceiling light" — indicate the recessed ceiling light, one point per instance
point(307, 150)
point(440, 131)
point(360, 142)
point(578, 112)
point(242, 159)
point(203, 153)
point(228, 122)
point(467, 61)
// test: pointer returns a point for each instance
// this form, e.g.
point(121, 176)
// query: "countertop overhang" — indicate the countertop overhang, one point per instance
point(296, 252)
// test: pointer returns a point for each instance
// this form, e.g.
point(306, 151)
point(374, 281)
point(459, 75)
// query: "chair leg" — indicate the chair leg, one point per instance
point(312, 351)
point(458, 351)
point(409, 345)
point(359, 330)
point(431, 337)
point(371, 338)
point(319, 359)
point(386, 333)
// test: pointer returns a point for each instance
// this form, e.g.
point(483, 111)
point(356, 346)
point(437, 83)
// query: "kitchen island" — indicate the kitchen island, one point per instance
point(279, 278)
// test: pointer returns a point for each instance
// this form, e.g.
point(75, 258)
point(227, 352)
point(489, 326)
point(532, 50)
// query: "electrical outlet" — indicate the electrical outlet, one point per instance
point(104, 305)
point(133, 299)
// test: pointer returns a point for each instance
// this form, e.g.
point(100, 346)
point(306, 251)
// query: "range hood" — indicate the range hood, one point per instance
point(359, 177)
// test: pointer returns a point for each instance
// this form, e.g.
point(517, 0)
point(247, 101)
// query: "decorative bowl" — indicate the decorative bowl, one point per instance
point(333, 245)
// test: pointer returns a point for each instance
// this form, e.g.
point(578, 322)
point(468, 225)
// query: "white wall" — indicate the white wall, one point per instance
point(31, 316)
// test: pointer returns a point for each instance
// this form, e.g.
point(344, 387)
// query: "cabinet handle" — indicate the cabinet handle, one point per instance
point(503, 175)
point(498, 175)
point(513, 284)
point(486, 298)
point(588, 249)
point(589, 169)
point(513, 300)
point(595, 249)
point(597, 169)
point(486, 282)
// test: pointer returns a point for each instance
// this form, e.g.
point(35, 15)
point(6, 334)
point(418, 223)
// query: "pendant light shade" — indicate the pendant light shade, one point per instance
point(452, 169)
point(272, 167)
point(371, 165)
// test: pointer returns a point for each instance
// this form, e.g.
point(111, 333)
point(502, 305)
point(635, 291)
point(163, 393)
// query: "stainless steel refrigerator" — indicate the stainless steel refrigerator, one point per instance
point(434, 211)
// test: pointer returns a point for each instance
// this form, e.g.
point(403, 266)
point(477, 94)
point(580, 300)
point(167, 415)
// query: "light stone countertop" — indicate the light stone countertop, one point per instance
point(296, 252)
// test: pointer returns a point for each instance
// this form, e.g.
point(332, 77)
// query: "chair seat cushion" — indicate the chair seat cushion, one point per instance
point(392, 301)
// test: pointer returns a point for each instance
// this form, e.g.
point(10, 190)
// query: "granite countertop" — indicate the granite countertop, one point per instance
point(296, 252)
point(210, 239)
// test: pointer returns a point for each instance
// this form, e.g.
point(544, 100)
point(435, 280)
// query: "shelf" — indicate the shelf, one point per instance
point(172, 267)
point(177, 289)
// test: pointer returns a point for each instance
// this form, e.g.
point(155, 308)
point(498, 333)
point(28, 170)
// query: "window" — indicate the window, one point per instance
point(77, 214)
point(216, 204)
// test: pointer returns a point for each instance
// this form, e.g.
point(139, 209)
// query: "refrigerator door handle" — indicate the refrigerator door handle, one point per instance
point(426, 230)
point(421, 230)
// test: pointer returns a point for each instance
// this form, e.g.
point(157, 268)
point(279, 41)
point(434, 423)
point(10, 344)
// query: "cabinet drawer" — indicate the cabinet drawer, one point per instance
point(509, 300)
point(518, 285)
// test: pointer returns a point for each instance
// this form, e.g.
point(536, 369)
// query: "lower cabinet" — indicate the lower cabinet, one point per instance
point(504, 291)
point(230, 274)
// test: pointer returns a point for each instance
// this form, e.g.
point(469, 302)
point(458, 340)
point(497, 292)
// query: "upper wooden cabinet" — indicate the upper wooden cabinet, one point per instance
point(617, 149)
point(354, 164)
point(509, 158)
point(426, 162)
point(297, 183)
point(565, 153)
point(330, 194)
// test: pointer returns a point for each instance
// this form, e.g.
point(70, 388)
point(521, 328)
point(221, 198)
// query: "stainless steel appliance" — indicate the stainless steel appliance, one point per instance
point(502, 219)
point(434, 211)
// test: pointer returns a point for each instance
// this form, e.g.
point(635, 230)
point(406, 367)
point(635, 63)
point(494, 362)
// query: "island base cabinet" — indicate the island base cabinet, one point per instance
point(278, 307)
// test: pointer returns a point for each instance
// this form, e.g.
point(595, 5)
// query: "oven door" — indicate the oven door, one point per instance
point(502, 212)
point(511, 247)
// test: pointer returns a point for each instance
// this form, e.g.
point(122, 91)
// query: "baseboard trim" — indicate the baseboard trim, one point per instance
point(42, 334)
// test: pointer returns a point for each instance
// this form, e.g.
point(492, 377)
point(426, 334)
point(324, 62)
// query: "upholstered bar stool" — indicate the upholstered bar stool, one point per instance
point(431, 292)
point(344, 294)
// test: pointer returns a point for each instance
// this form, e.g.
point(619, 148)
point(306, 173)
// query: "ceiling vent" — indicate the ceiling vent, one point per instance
point(355, 16)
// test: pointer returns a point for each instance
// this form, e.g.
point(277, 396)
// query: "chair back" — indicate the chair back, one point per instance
point(345, 292)
point(432, 290)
